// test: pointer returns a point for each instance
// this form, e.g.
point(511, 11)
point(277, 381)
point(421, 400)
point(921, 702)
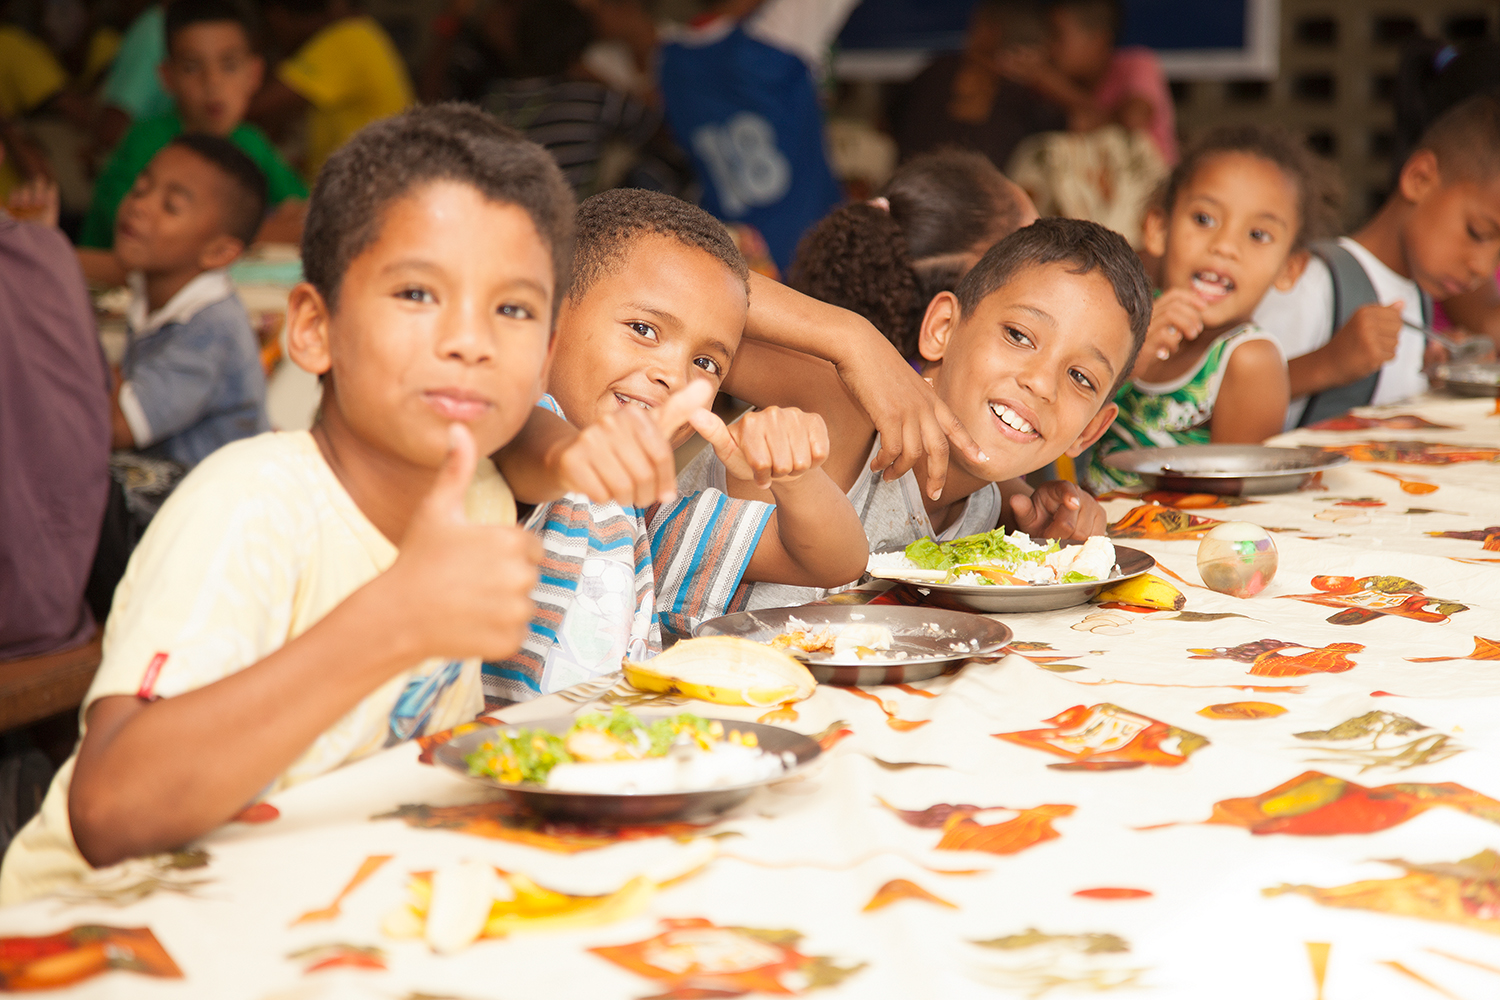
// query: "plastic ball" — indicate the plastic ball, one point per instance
point(1237, 558)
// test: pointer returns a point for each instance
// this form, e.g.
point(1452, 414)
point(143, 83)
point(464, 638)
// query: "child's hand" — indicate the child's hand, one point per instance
point(1176, 315)
point(1059, 509)
point(1367, 341)
point(777, 444)
point(466, 587)
point(627, 456)
point(36, 201)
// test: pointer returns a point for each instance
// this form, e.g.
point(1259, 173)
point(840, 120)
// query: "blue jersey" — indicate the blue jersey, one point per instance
point(748, 114)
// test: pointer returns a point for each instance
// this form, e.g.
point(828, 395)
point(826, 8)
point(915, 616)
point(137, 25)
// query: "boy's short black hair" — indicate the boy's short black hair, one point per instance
point(441, 142)
point(185, 13)
point(1086, 246)
point(610, 221)
point(247, 208)
point(1466, 139)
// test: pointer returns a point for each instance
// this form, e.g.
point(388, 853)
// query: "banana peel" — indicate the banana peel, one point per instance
point(725, 670)
point(1145, 591)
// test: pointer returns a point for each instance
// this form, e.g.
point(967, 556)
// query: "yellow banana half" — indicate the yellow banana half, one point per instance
point(1145, 591)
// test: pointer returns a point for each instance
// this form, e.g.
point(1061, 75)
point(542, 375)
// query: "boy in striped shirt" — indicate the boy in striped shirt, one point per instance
point(655, 313)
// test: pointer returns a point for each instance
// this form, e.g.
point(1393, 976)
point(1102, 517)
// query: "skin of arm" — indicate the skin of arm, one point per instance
point(101, 267)
point(1367, 341)
point(1253, 396)
point(153, 775)
point(120, 434)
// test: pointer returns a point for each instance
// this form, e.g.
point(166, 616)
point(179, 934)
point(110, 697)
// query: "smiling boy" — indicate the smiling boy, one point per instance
point(650, 328)
point(1027, 352)
point(294, 605)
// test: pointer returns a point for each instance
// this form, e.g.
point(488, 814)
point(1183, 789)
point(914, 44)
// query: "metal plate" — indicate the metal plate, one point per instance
point(1466, 379)
point(927, 634)
point(1042, 596)
point(629, 807)
point(1225, 469)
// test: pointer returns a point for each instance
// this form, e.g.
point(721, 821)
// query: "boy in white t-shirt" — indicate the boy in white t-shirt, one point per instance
point(1437, 235)
point(305, 599)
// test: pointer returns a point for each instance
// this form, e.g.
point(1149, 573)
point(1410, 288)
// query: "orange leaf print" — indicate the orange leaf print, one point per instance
point(898, 889)
point(891, 719)
point(1106, 732)
point(1154, 521)
point(1028, 829)
point(1104, 892)
point(831, 736)
point(1318, 804)
point(1484, 649)
point(1242, 710)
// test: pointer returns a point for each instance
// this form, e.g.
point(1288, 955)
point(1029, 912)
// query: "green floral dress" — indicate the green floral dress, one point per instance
point(1167, 414)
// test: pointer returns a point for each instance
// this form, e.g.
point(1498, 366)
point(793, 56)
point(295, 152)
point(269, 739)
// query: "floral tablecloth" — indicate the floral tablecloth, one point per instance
point(1295, 795)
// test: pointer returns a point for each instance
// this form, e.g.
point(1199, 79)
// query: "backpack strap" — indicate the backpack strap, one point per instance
point(1351, 290)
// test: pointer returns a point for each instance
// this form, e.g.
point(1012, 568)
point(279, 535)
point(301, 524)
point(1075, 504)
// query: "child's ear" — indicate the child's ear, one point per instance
point(1154, 232)
point(1419, 175)
point(307, 320)
point(941, 319)
point(1094, 430)
point(221, 251)
point(1291, 270)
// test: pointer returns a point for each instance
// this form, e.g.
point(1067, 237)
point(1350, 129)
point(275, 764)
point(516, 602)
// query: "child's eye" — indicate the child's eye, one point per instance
point(1081, 378)
point(421, 295)
point(644, 329)
point(1203, 218)
point(1018, 336)
point(1473, 235)
point(512, 311)
point(1260, 235)
point(710, 365)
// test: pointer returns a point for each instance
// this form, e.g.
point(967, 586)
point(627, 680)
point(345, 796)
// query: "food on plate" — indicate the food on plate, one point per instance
point(618, 753)
point(1145, 591)
point(860, 640)
point(726, 670)
point(995, 558)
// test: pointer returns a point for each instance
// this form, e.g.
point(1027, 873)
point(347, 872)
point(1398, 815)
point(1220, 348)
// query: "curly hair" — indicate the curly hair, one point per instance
point(886, 263)
point(1319, 191)
point(611, 221)
point(441, 142)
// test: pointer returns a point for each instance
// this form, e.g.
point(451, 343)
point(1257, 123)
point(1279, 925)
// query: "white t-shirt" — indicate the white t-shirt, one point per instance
point(1302, 321)
point(256, 545)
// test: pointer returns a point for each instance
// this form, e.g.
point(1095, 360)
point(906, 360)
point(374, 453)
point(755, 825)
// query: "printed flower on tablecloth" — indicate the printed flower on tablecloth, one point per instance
point(1317, 804)
point(694, 957)
point(56, 960)
point(1489, 536)
point(962, 832)
point(1414, 452)
point(1484, 649)
point(1463, 892)
point(1373, 731)
point(1279, 658)
point(1181, 501)
point(1106, 734)
point(1366, 598)
point(1154, 521)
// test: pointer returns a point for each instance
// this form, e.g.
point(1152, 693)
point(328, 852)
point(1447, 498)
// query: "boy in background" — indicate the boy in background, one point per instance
point(1436, 236)
point(191, 380)
point(649, 329)
point(343, 74)
point(212, 71)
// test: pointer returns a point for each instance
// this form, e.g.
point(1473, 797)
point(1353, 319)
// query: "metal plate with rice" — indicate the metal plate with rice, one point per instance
point(1471, 379)
point(1225, 469)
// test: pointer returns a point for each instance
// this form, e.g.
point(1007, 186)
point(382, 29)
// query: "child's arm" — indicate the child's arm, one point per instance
point(153, 775)
point(626, 457)
point(815, 538)
point(1253, 396)
point(913, 423)
point(1359, 347)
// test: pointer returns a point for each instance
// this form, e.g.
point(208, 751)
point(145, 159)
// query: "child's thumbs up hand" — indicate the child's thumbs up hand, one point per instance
point(466, 588)
point(627, 457)
point(776, 444)
point(1367, 341)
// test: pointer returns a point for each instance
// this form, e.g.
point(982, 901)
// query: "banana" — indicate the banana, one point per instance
point(726, 670)
point(1145, 591)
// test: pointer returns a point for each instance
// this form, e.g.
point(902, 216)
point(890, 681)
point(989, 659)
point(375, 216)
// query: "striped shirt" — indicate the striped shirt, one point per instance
point(573, 120)
point(614, 579)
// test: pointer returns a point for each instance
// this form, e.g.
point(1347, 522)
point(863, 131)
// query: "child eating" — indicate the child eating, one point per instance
point(649, 328)
point(1027, 352)
point(1235, 220)
point(191, 380)
point(294, 605)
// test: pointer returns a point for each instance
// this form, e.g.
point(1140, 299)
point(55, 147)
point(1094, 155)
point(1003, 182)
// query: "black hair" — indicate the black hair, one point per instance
point(185, 13)
point(247, 207)
point(1101, 15)
point(1319, 192)
point(441, 142)
point(611, 221)
point(550, 37)
point(1466, 139)
point(1086, 246)
point(945, 207)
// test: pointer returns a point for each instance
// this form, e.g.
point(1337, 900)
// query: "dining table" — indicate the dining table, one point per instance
point(1291, 795)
